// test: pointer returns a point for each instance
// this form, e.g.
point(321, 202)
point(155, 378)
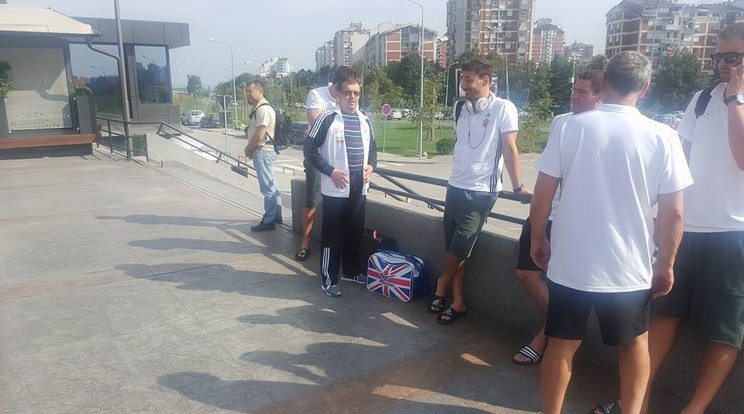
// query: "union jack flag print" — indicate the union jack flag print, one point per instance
point(391, 275)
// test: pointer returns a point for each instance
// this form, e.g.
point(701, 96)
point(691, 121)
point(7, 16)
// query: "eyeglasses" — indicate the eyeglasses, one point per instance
point(728, 57)
point(349, 94)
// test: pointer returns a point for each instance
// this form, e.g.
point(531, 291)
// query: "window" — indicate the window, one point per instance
point(100, 74)
point(153, 83)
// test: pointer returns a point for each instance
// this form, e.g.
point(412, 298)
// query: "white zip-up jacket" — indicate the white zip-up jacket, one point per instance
point(325, 148)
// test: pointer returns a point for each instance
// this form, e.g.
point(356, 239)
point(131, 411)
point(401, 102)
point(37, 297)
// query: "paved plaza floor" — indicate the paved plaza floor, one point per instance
point(128, 289)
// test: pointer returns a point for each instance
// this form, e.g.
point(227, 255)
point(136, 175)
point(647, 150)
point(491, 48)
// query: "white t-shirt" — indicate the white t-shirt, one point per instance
point(715, 203)
point(321, 98)
point(478, 150)
point(557, 122)
point(613, 163)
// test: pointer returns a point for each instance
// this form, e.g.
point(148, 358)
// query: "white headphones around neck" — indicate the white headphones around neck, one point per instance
point(480, 105)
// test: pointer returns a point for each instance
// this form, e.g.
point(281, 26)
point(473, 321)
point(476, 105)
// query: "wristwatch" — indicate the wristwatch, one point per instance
point(738, 98)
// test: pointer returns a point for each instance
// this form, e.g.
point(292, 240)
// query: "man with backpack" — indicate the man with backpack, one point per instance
point(486, 136)
point(263, 154)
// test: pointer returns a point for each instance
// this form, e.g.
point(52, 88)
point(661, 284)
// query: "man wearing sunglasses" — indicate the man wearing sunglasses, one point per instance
point(708, 286)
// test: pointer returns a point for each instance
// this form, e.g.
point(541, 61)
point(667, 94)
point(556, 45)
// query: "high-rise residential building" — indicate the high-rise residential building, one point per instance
point(442, 51)
point(581, 51)
point(348, 44)
point(503, 26)
point(658, 28)
point(391, 42)
point(548, 40)
point(324, 56)
point(276, 67)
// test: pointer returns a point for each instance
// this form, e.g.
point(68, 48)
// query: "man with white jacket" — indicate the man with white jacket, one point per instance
point(342, 147)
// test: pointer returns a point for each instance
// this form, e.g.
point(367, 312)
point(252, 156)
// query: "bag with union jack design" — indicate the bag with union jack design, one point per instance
point(397, 275)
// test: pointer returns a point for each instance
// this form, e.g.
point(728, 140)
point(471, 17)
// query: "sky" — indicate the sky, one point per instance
point(259, 30)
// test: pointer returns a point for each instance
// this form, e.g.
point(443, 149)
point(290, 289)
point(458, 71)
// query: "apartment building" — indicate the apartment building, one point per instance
point(276, 67)
point(324, 56)
point(658, 28)
point(348, 44)
point(503, 26)
point(391, 42)
point(548, 41)
point(582, 51)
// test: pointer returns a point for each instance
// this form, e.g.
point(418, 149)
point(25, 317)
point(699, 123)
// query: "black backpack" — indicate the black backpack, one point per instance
point(282, 128)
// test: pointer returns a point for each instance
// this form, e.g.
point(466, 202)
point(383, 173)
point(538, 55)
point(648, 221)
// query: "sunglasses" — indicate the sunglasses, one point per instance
point(728, 57)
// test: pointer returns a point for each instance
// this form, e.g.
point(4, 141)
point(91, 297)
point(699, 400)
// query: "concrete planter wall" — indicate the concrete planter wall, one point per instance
point(4, 132)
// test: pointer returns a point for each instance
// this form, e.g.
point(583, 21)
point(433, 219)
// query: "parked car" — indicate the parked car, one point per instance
point(405, 113)
point(299, 132)
point(395, 114)
point(192, 117)
point(211, 121)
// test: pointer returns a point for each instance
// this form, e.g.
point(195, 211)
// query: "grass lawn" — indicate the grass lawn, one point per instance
point(401, 137)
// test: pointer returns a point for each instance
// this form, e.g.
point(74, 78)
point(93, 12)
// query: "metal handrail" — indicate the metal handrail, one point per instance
point(236, 166)
point(433, 202)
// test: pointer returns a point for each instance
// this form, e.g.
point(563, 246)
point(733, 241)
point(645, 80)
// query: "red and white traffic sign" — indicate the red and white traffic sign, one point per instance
point(386, 109)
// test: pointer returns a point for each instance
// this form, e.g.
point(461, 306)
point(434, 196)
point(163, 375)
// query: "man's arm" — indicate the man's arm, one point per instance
point(312, 115)
point(372, 158)
point(511, 161)
point(669, 228)
point(545, 188)
point(257, 140)
point(736, 116)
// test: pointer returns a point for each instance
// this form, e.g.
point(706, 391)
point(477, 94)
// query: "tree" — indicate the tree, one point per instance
point(561, 70)
point(529, 82)
point(194, 84)
point(679, 77)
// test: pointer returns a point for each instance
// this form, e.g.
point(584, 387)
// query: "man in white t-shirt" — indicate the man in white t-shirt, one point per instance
point(585, 97)
point(319, 100)
point(613, 165)
point(709, 273)
point(485, 140)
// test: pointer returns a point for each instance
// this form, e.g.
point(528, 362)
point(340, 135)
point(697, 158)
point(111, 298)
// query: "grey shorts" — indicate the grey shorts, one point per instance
point(312, 186)
point(708, 286)
point(465, 212)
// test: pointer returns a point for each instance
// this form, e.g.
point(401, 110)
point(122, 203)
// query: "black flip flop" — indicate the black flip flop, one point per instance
point(437, 305)
point(532, 357)
point(452, 314)
point(607, 408)
point(302, 254)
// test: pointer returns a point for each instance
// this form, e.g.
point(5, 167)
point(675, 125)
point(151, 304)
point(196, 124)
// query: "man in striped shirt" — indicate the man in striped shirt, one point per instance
point(342, 148)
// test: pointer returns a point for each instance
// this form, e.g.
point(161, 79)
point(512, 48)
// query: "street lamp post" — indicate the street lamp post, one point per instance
point(446, 92)
point(232, 70)
point(421, 104)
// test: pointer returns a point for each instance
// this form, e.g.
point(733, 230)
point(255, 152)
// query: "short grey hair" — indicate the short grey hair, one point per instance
point(628, 72)
point(732, 31)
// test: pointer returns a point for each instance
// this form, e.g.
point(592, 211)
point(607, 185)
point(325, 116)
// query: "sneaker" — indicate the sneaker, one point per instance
point(333, 290)
point(263, 226)
point(360, 278)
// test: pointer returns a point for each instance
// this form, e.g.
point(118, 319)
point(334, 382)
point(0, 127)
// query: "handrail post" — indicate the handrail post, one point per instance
point(111, 141)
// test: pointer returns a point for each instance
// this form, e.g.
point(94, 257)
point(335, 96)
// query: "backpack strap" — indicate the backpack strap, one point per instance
point(253, 112)
point(702, 101)
point(458, 109)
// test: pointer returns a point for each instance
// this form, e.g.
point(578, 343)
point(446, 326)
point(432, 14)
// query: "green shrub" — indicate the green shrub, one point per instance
point(445, 146)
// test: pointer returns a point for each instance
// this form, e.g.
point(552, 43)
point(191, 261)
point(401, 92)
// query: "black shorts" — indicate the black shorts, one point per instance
point(312, 185)
point(465, 212)
point(622, 316)
point(525, 261)
point(708, 286)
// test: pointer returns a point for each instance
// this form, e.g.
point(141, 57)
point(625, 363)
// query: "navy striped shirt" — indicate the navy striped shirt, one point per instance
point(354, 144)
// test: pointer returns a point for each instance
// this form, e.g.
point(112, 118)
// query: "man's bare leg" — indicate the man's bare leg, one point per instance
point(452, 266)
point(537, 288)
point(661, 334)
point(308, 220)
point(556, 373)
point(634, 373)
point(718, 361)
